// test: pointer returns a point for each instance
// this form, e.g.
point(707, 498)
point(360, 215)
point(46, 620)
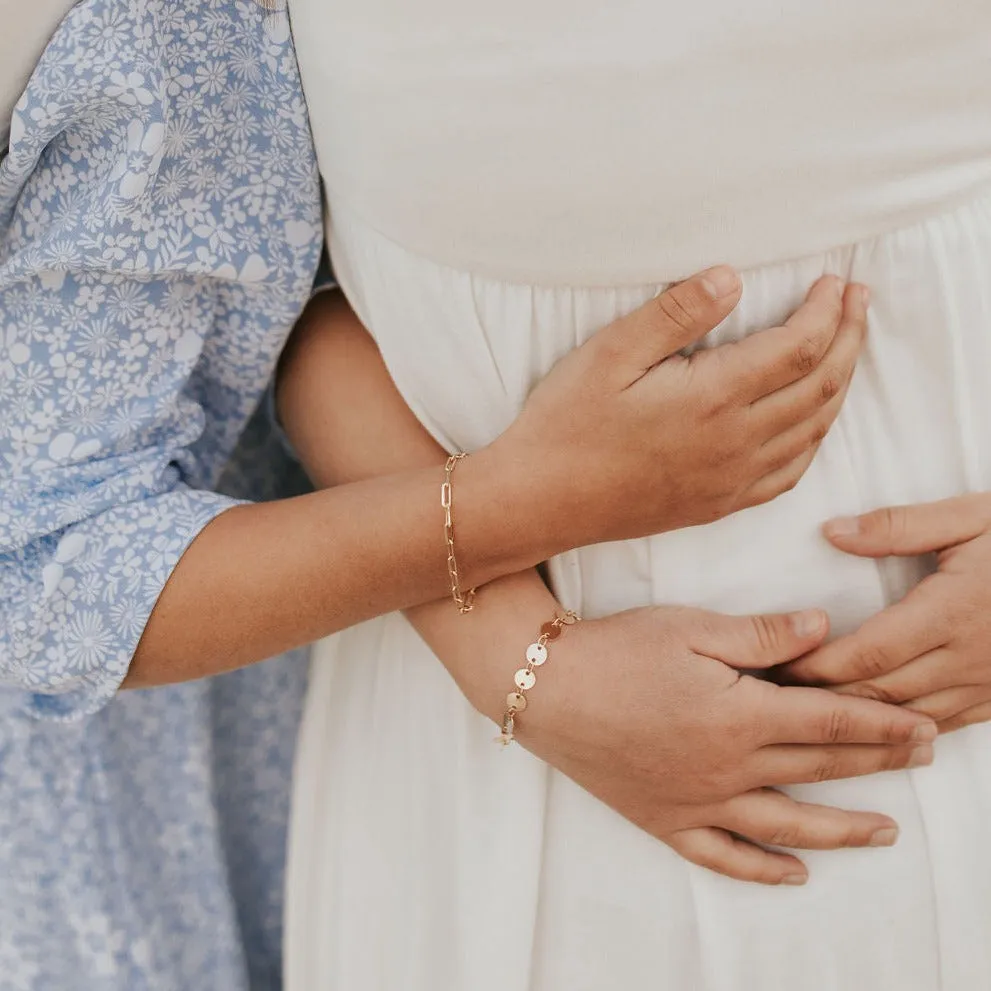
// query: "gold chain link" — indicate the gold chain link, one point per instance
point(463, 600)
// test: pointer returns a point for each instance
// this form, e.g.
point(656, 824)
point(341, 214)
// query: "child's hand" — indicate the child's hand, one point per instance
point(931, 651)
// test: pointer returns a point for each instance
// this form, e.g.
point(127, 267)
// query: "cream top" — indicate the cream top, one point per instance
point(579, 142)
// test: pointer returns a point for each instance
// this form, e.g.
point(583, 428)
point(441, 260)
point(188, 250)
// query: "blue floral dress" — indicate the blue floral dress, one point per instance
point(159, 232)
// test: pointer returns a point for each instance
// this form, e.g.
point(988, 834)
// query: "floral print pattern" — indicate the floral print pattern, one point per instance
point(159, 232)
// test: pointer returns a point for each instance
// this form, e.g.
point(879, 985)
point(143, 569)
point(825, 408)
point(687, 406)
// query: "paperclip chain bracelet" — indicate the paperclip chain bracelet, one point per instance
point(463, 600)
point(526, 678)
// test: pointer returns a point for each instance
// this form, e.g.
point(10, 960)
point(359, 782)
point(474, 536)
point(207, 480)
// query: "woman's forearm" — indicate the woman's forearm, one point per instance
point(331, 372)
point(262, 579)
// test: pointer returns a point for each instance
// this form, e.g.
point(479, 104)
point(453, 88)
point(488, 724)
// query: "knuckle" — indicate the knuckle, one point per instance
point(826, 770)
point(718, 783)
point(805, 356)
point(891, 521)
point(831, 384)
point(837, 726)
point(681, 307)
point(716, 402)
point(892, 732)
point(817, 433)
point(787, 834)
point(747, 727)
point(871, 662)
point(765, 632)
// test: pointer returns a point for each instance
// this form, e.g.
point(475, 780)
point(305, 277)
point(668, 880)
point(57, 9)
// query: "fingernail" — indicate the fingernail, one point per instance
point(884, 837)
point(920, 757)
point(865, 296)
point(925, 733)
point(720, 281)
point(795, 879)
point(845, 526)
point(810, 623)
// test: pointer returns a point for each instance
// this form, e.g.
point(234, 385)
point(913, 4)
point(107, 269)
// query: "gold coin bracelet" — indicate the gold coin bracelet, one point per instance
point(526, 678)
point(463, 600)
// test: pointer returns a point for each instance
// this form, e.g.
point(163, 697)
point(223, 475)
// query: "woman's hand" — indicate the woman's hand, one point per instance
point(931, 651)
point(638, 708)
point(647, 711)
point(628, 437)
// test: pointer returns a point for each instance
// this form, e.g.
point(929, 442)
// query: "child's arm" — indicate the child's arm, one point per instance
point(348, 421)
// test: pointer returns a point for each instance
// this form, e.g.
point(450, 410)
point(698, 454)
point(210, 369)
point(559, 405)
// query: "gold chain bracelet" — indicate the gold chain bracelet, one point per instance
point(463, 600)
point(525, 678)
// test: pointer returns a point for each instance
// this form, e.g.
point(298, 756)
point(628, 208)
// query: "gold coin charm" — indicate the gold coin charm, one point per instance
point(525, 678)
point(514, 700)
point(536, 654)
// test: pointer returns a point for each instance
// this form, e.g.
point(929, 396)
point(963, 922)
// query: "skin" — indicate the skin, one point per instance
point(928, 652)
point(263, 579)
point(681, 740)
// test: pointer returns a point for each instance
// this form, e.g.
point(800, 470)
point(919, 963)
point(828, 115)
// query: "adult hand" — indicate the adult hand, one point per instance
point(932, 650)
point(648, 711)
point(662, 441)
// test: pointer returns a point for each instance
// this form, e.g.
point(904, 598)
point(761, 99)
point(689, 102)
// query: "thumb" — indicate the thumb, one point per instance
point(752, 642)
point(664, 325)
point(909, 530)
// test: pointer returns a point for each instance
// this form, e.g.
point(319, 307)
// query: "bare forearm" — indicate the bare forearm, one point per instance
point(349, 422)
point(262, 579)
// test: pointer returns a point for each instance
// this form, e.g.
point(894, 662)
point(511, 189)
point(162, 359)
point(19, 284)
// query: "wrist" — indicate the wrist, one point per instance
point(483, 649)
point(504, 520)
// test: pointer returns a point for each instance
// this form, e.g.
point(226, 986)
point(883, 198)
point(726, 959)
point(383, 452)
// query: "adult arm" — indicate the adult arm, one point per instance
point(260, 579)
point(112, 566)
point(672, 717)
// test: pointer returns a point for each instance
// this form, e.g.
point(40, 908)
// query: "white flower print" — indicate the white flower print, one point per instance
point(126, 300)
point(91, 298)
point(211, 77)
point(88, 640)
point(129, 89)
point(67, 365)
point(152, 168)
point(34, 379)
point(97, 338)
point(45, 114)
point(36, 217)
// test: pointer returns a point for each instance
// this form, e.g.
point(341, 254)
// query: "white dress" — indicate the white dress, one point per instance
point(502, 182)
